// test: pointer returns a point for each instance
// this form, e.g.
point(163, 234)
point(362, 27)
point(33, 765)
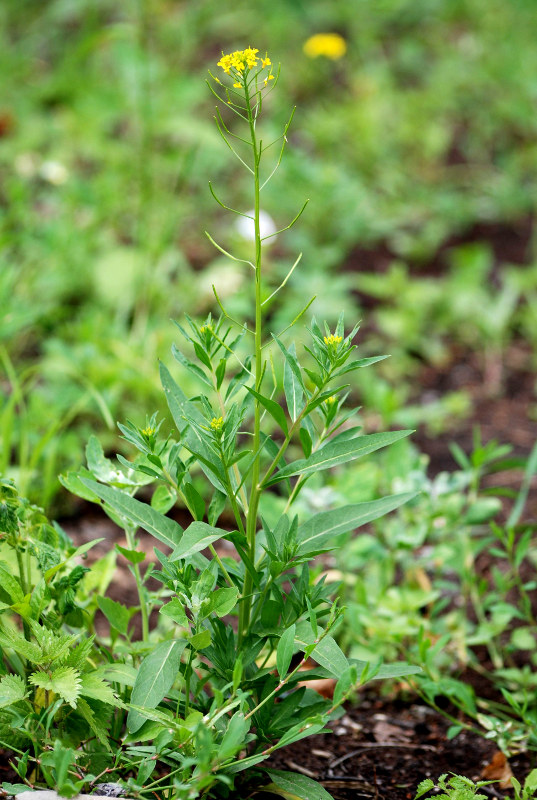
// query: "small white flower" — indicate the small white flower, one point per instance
point(54, 172)
point(246, 228)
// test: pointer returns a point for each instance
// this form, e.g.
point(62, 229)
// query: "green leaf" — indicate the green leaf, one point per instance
point(64, 681)
point(194, 500)
point(175, 609)
point(338, 453)
point(223, 601)
point(201, 640)
point(298, 785)
point(327, 653)
point(293, 385)
point(134, 556)
point(163, 528)
point(216, 506)
point(275, 410)
point(234, 737)
point(190, 366)
point(284, 652)
point(196, 537)
point(92, 684)
point(117, 615)
point(10, 584)
point(156, 675)
point(98, 728)
point(12, 689)
point(124, 674)
point(326, 525)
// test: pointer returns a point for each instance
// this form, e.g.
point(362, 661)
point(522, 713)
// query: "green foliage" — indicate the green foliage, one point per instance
point(455, 787)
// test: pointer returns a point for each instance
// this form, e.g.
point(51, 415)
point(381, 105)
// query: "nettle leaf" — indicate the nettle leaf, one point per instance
point(322, 527)
point(100, 731)
point(336, 453)
point(117, 614)
point(163, 528)
point(92, 684)
point(29, 650)
point(298, 785)
point(12, 689)
point(10, 584)
point(156, 675)
point(196, 537)
point(64, 681)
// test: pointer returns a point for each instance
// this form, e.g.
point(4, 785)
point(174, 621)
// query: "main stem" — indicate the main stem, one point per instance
point(251, 519)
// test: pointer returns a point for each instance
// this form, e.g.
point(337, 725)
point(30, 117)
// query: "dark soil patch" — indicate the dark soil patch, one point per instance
point(384, 748)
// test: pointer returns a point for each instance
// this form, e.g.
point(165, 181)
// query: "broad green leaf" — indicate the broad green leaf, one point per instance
point(92, 684)
point(201, 640)
point(327, 653)
point(275, 410)
point(124, 674)
point(175, 609)
point(196, 537)
point(64, 681)
point(12, 689)
point(338, 453)
point(298, 785)
point(323, 527)
point(29, 650)
point(117, 614)
point(195, 500)
point(284, 652)
point(223, 601)
point(163, 528)
point(156, 675)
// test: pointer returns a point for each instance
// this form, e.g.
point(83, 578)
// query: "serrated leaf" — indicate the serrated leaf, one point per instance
point(339, 452)
point(298, 785)
point(156, 675)
point(163, 528)
point(12, 689)
point(93, 721)
point(64, 681)
point(10, 584)
point(92, 684)
point(196, 537)
point(324, 526)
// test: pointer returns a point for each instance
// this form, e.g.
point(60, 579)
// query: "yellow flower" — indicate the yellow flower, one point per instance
point(237, 85)
point(332, 340)
point(269, 78)
point(240, 60)
point(148, 432)
point(217, 423)
point(330, 45)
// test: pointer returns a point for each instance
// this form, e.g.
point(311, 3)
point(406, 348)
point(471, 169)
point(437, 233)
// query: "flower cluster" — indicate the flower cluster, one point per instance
point(329, 45)
point(332, 340)
point(217, 423)
point(240, 62)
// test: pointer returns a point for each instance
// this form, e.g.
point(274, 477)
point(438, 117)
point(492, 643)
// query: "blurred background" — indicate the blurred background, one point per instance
point(414, 139)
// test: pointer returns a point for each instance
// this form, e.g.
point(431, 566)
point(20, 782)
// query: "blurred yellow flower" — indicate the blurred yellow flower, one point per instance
point(330, 45)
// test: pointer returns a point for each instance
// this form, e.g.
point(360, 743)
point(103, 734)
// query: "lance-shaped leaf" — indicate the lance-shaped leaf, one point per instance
point(163, 528)
point(196, 537)
point(275, 410)
point(323, 527)
point(327, 653)
point(293, 384)
point(156, 675)
point(336, 453)
point(296, 785)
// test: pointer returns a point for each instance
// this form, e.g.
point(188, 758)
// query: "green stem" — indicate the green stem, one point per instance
point(251, 519)
point(140, 588)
